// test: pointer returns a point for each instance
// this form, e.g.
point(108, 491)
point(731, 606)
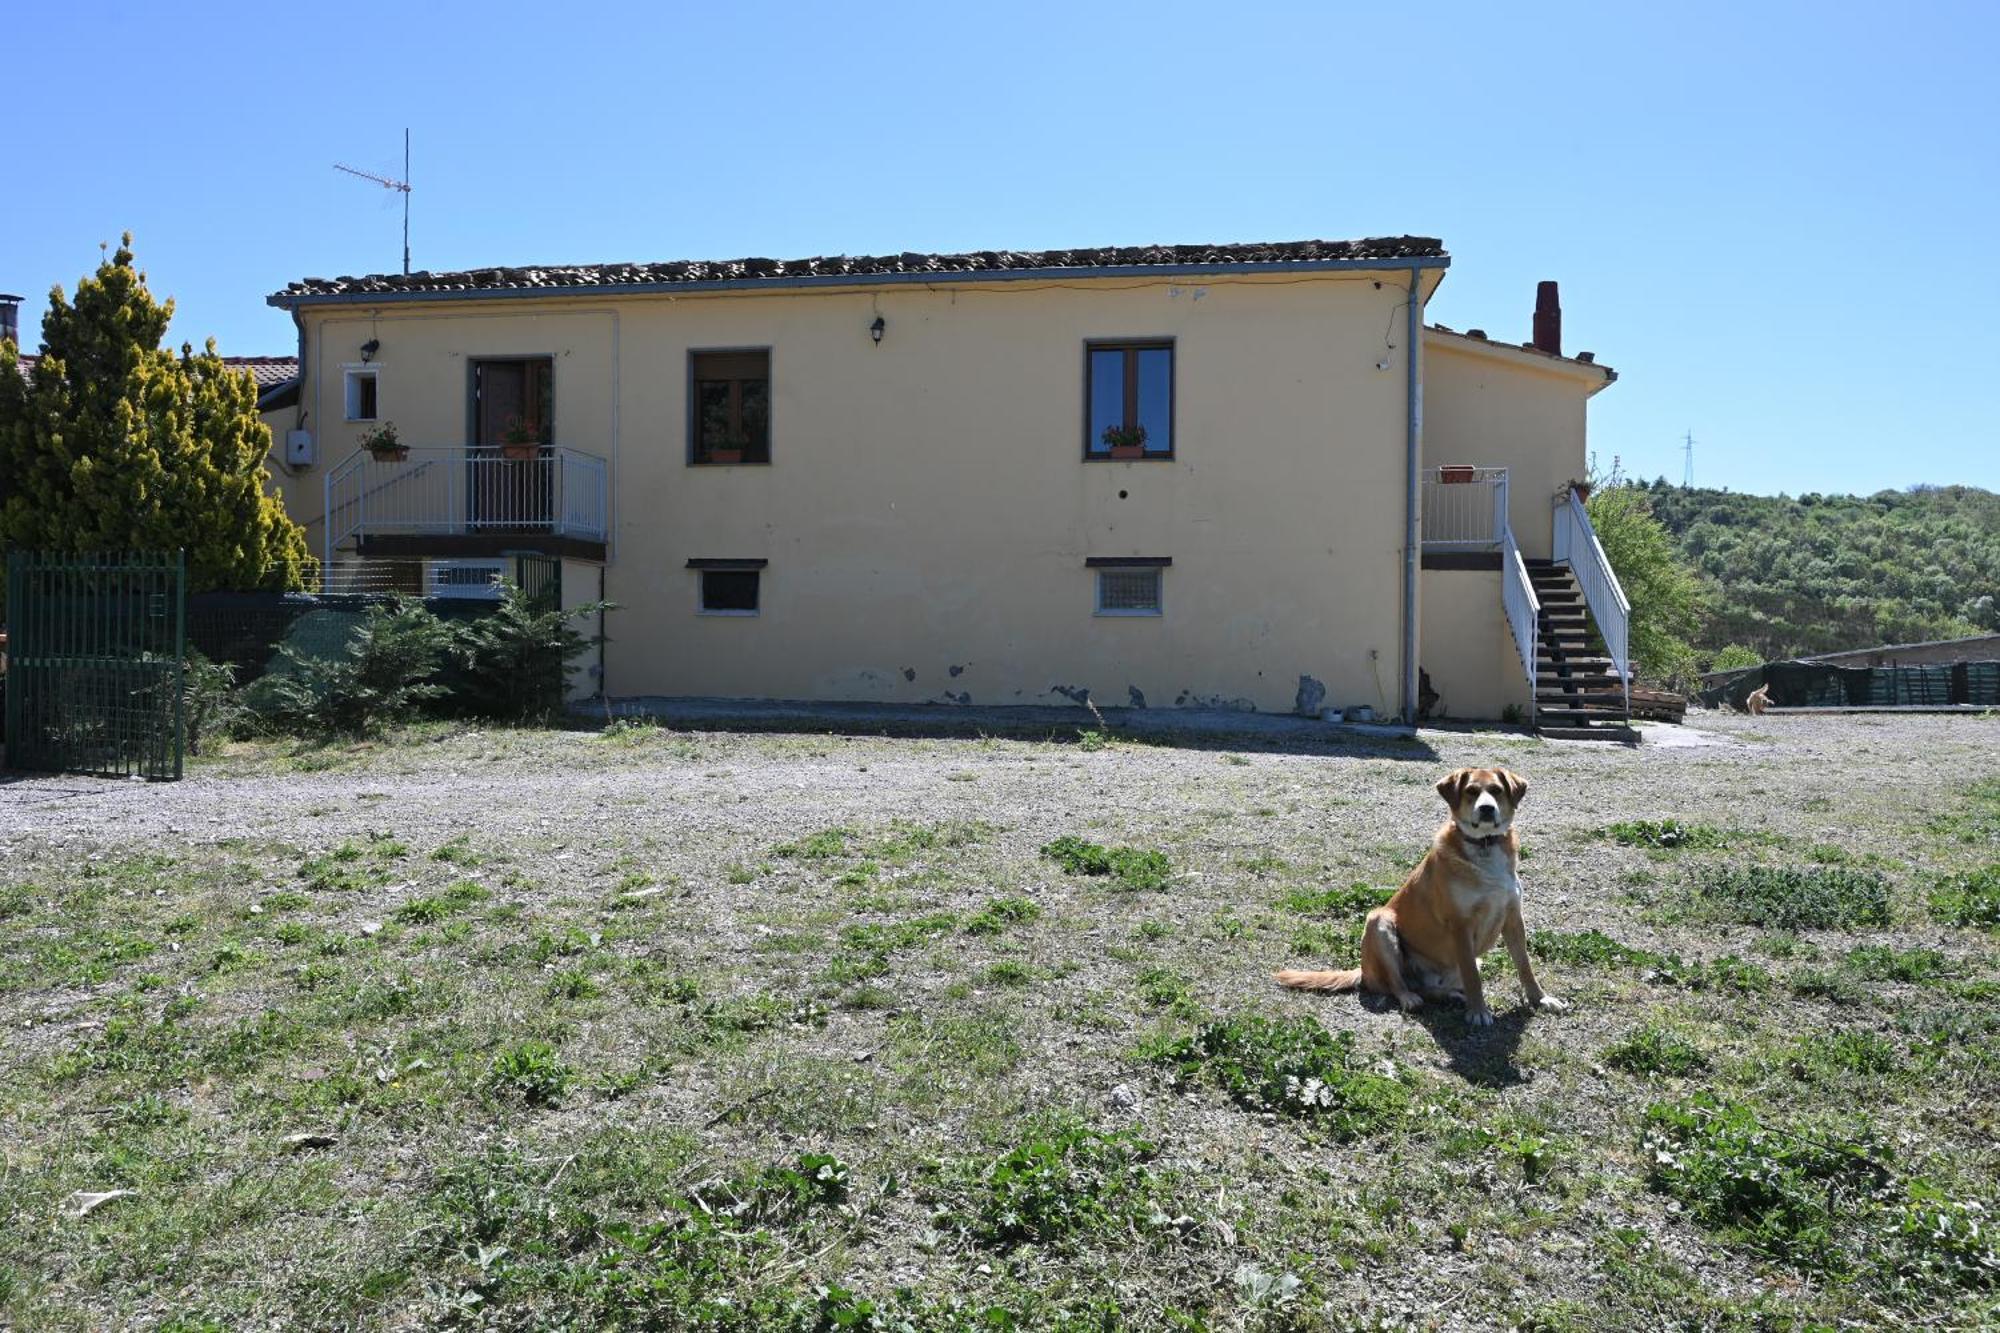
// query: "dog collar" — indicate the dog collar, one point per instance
point(1492, 841)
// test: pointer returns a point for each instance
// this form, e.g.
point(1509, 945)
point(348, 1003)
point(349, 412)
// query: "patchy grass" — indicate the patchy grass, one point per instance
point(1669, 835)
point(1970, 898)
point(795, 1032)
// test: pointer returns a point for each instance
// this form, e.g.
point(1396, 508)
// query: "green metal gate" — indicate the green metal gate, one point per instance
point(94, 653)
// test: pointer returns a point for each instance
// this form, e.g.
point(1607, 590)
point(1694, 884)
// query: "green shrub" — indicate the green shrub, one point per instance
point(1655, 1050)
point(1291, 1066)
point(210, 705)
point(513, 662)
point(1970, 899)
point(384, 675)
point(1132, 867)
point(1796, 898)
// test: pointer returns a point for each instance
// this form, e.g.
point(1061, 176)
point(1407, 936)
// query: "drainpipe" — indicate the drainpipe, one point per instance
point(1413, 497)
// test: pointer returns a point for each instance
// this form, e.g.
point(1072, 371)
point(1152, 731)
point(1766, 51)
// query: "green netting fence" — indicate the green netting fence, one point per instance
point(1823, 685)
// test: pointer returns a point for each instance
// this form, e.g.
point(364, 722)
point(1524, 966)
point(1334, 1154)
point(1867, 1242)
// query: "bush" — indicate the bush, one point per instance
point(1797, 898)
point(514, 662)
point(1291, 1066)
point(210, 704)
point(383, 676)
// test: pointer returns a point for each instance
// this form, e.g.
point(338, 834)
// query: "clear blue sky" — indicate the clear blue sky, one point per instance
point(1778, 222)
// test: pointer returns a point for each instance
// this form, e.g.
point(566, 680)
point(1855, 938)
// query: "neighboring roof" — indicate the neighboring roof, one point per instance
point(1277, 256)
point(272, 373)
point(1476, 340)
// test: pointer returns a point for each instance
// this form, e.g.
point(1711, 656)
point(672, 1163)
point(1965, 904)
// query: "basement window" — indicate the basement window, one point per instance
point(727, 587)
point(730, 406)
point(1129, 588)
point(361, 388)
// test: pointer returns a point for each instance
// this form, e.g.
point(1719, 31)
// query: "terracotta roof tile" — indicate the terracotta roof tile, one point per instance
point(942, 266)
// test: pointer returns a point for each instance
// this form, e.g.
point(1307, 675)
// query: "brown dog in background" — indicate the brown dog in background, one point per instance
point(1462, 897)
point(1759, 699)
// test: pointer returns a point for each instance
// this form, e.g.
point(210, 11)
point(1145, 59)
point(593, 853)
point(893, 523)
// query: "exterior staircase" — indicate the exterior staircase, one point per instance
point(1578, 695)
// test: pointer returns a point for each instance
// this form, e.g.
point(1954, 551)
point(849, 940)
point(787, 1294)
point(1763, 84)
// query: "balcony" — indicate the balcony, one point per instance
point(458, 501)
point(1465, 510)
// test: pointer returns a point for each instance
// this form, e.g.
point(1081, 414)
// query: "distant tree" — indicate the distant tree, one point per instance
point(1665, 595)
point(118, 444)
point(1735, 656)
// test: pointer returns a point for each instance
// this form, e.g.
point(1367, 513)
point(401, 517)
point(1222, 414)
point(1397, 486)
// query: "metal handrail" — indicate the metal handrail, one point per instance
point(1576, 545)
point(1466, 515)
point(1524, 609)
point(461, 489)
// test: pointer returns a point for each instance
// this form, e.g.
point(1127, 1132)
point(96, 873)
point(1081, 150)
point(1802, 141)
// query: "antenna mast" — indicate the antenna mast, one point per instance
point(1687, 468)
point(402, 186)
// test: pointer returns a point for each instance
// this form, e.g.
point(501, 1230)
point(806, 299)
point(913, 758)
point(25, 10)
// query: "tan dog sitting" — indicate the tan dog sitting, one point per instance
point(1462, 897)
point(1759, 699)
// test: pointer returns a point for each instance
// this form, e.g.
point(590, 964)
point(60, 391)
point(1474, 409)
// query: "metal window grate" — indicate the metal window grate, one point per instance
point(1128, 592)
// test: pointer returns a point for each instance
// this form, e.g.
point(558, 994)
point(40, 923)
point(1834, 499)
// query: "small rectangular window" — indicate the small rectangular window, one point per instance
point(730, 409)
point(1129, 400)
point(1128, 592)
point(361, 388)
point(729, 592)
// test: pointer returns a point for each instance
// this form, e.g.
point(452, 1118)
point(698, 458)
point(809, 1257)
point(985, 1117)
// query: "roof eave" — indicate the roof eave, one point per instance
point(1593, 375)
point(288, 300)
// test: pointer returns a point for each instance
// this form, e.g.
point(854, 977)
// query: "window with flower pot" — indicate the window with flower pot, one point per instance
point(730, 406)
point(360, 384)
point(1129, 399)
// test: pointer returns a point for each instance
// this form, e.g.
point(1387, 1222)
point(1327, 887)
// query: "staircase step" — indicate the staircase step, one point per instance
point(1563, 715)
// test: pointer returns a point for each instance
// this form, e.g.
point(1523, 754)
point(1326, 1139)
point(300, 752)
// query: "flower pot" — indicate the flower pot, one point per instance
point(520, 453)
point(1456, 473)
point(399, 454)
point(1128, 451)
point(725, 455)
point(1582, 489)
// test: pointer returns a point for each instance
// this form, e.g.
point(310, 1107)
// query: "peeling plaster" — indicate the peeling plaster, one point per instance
point(1136, 695)
point(1076, 694)
point(1312, 695)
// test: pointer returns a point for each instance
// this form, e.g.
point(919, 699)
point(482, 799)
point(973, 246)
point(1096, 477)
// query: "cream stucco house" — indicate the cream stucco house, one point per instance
point(1243, 476)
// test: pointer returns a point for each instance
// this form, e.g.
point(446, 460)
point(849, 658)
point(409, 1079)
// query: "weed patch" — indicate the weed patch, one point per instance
point(532, 1071)
point(1001, 913)
point(1132, 867)
point(1795, 897)
point(1291, 1066)
point(1066, 1183)
point(1970, 899)
point(1656, 1050)
point(1671, 835)
point(1355, 900)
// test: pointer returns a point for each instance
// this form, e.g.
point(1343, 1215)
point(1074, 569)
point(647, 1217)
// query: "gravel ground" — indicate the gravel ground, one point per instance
point(679, 851)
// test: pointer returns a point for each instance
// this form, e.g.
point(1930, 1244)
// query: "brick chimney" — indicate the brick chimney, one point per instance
point(10, 318)
point(1548, 319)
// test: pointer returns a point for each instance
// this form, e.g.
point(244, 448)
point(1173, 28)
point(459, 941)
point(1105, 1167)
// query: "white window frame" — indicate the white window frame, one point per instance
point(700, 607)
point(1159, 607)
point(348, 375)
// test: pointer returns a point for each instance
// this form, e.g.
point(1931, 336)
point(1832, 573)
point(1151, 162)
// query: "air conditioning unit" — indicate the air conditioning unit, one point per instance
point(474, 580)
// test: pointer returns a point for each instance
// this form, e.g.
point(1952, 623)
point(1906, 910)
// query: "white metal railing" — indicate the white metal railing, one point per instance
point(1576, 545)
point(1465, 508)
point(1524, 609)
point(445, 490)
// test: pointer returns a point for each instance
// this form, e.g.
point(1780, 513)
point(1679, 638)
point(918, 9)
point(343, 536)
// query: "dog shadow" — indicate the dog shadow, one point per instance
point(1480, 1055)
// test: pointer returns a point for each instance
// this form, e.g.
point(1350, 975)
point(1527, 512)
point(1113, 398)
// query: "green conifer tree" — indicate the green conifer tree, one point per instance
point(118, 444)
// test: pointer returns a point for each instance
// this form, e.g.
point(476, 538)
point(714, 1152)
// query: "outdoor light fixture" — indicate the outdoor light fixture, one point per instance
point(369, 348)
point(875, 329)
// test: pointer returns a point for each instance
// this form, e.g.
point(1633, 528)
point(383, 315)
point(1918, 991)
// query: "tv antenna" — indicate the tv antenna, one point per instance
point(401, 186)
point(1687, 467)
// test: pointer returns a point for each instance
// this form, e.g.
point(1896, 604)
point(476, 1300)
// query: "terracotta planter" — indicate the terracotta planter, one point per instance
point(1582, 489)
point(1456, 473)
point(520, 453)
point(1128, 451)
point(399, 454)
point(725, 455)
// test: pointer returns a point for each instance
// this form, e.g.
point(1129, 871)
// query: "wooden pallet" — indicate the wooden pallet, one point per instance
point(1658, 705)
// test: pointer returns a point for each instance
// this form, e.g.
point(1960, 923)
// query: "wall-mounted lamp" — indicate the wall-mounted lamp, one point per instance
point(369, 348)
point(875, 329)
